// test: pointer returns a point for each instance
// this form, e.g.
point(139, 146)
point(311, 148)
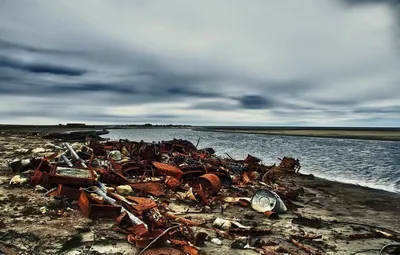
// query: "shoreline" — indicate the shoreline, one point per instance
point(327, 133)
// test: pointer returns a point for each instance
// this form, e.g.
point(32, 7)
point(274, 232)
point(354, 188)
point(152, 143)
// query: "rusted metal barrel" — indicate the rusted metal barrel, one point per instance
point(168, 170)
point(209, 182)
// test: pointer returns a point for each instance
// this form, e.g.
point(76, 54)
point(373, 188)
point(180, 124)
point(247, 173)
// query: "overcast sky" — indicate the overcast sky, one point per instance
point(258, 62)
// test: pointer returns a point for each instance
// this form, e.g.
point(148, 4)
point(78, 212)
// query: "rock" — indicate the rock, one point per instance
point(18, 180)
point(124, 190)
point(216, 241)
point(222, 224)
point(38, 150)
point(22, 151)
point(115, 155)
point(40, 189)
point(239, 243)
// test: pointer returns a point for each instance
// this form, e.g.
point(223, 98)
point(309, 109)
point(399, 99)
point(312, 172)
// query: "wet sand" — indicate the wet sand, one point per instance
point(344, 209)
point(389, 135)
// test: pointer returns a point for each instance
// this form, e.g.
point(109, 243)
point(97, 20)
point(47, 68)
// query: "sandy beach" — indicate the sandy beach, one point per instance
point(337, 211)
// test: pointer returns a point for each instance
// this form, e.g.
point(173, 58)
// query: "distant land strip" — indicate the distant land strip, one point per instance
point(386, 134)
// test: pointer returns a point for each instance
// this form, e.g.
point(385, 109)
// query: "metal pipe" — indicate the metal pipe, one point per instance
point(66, 160)
point(75, 156)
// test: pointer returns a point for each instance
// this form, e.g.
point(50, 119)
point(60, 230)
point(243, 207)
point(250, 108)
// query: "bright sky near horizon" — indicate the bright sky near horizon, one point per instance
point(226, 62)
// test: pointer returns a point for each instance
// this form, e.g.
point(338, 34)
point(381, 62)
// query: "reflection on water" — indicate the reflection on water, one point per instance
point(368, 163)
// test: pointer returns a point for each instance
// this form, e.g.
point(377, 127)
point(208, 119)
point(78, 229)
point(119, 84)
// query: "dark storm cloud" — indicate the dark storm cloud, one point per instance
point(40, 68)
point(184, 91)
point(91, 88)
point(255, 102)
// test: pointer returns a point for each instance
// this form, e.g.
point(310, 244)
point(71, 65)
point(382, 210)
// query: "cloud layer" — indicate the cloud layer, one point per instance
point(313, 62)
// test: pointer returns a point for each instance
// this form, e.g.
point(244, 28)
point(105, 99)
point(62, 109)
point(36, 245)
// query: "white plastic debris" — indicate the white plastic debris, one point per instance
point(18, 180)
point(115, 155)
point(216, 241)
point(227, 224)
point(43, 210)
point(124, 190)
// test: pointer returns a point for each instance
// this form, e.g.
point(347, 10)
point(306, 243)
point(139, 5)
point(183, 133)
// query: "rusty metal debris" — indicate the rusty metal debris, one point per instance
point(134, 182)
point(306, 248)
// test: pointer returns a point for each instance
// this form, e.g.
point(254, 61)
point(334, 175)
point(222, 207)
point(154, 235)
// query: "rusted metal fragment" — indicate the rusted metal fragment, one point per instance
point(306, 248)
point(172, 182)
point(271, 215)
point(179, 243)
point(199, 190)
point(97, 211)
point(153, 188)
point(191, 250)
point(75, 177)
point(163, 251)
point(137, 229)
point(168, 170)
point(182, 220)
point(111, 177)
point(290, 163)
point(251, 159)
point(123, 219)
point(245, 178)
point(62, 190)
point(143, 204)
point(209, 182)
point(243, 202)
point(143, 240)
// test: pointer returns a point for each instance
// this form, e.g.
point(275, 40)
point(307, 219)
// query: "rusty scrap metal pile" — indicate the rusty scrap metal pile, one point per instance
point(134, 182)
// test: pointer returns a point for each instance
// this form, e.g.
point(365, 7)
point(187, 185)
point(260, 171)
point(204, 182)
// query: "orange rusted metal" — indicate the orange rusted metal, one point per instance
point(143, 240)
point(209, 182)
point(191, 250)
point(123, 218)
point(172, 182)
point(71, 193)
point(271, 215)
point(179, 243)
point(153, 188)
point(306, 248)
point(138, 229)
point(245, 178)
point(143, 204)
point(96, 211)
point(180, 219)
point(168, 170)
